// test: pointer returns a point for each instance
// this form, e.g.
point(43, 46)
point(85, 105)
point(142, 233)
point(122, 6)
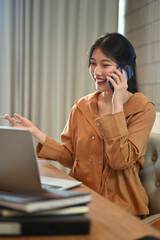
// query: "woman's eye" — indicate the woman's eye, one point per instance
point(92, 63)
point(106, 65)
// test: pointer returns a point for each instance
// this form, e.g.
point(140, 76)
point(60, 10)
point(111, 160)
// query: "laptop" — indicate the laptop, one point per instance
point(18, 163)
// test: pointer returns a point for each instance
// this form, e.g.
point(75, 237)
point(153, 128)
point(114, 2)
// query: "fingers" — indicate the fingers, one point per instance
point(13, 122)
point(18, 117)
point(117, 75)
point(117, 78)
point(110, 79)
point(23, 122)
point(7, 116)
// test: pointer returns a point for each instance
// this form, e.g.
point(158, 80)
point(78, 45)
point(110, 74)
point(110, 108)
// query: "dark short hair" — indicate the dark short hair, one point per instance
point(116, 47)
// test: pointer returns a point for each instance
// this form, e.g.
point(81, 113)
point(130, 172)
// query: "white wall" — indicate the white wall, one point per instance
point(156, 126)
point(142, 28)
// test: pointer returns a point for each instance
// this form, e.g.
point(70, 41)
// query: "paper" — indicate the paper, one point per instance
point(62, 183)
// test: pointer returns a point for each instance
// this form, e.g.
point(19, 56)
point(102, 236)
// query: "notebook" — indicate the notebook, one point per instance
point(18, 163)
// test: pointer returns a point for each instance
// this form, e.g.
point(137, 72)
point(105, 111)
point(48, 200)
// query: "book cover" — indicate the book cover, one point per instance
point(40, 200)
point(66, 211)
point(31, 226)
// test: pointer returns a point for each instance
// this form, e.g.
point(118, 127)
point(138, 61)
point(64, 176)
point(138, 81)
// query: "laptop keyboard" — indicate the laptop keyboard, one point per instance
point(48, 186)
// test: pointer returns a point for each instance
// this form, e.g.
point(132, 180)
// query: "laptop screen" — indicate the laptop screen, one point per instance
point(18, 163)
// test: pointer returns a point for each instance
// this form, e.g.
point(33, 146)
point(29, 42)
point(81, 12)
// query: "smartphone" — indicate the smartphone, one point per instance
point(128, 72)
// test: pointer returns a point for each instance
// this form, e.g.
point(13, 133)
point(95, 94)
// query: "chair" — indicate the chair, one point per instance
point(150, 177)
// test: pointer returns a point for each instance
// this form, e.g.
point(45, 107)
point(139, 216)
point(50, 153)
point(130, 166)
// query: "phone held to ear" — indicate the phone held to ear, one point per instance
point(128, 72)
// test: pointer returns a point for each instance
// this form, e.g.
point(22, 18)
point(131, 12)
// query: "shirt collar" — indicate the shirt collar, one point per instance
point(136, 103)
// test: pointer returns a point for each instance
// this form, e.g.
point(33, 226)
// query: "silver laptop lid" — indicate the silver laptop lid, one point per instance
point(18, 163)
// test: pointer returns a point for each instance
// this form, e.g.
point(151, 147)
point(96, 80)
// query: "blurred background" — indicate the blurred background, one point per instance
point(44, 53)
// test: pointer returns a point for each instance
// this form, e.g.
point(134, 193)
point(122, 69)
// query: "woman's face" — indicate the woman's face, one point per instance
point(100, 67)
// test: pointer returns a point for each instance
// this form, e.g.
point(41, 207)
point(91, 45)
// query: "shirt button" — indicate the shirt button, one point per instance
point(102, 134)
point(90, 160)
point(93, 137)
point(154, 158)
point(97, 124)
point(100, 162)
point(157, 184)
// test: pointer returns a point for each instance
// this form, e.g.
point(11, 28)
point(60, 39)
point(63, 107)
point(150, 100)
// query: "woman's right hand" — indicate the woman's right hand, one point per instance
point(25, 123)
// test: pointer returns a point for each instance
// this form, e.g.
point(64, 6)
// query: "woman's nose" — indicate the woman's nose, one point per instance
point(97, 71)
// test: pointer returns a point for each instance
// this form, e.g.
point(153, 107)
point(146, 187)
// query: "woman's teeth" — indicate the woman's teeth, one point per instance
point(101, 80)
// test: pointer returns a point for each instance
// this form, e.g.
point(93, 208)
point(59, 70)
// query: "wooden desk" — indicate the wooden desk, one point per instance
point(108, 221)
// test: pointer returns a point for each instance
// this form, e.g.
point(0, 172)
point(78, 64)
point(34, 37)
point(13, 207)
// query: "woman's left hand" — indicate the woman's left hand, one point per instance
point(120, 88)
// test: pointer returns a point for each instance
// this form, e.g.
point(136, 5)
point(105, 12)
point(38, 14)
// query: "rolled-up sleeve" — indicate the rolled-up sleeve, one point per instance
point(126, 141)
point(55, 151)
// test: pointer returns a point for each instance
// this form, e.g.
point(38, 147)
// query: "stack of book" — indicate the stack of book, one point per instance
point(44, 212)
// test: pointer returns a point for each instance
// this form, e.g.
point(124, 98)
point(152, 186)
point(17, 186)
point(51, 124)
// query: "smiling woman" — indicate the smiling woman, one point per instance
point(112, 124)
point(100, 68)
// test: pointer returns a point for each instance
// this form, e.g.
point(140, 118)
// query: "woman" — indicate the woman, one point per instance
point(105, 138)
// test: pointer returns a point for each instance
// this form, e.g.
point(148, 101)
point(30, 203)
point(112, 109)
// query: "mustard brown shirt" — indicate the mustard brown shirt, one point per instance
point(106, 153)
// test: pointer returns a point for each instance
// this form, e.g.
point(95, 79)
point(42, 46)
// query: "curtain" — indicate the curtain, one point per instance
point(43, 56)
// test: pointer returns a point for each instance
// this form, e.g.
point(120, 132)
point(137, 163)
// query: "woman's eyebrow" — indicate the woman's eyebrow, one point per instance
point(103, 60)
point(106, 60)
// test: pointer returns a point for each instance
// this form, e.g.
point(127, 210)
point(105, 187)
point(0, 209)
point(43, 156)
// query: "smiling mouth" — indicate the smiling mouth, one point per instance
point(103, 80)
point(99, 82)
